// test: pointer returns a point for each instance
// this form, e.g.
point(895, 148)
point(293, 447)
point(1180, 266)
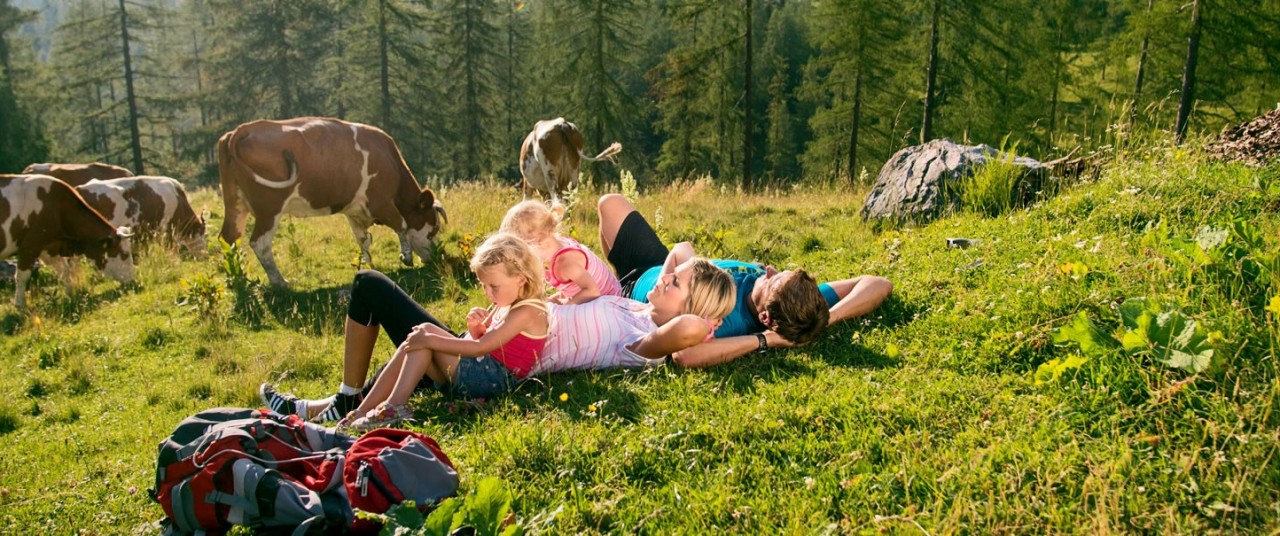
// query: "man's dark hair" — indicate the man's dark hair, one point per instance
point(798, 310)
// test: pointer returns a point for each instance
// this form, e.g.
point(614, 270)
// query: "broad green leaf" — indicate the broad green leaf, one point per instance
point(403, 519)
point(441, 520)
point(1081, 331)
point(1163, 331)
point(485, 510)
point(1131, 309)
point(1135, 341)
point(1054, 368)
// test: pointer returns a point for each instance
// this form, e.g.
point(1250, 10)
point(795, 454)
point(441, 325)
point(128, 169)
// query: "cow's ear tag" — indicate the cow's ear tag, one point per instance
point(124, 232)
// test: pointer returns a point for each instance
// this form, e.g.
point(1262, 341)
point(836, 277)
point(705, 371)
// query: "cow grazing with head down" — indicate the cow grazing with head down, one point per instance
point(77, 174)
point(312, 166)
point(41, 215)
point(149, 206)
point(551, 155)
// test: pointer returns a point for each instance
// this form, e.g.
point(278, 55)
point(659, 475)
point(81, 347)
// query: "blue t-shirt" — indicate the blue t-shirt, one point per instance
point(740, 320)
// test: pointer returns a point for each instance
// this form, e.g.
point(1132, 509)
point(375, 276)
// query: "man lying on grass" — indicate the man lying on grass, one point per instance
point(773, 310)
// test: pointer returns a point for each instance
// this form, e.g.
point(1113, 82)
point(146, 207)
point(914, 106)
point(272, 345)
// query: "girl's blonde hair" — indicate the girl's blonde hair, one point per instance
point(711, 291)
point(533, 220)
point(516, 258)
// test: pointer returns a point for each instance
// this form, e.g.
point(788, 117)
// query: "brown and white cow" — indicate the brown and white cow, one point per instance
point(77, 174)
point(41, 215)
point(313, 166)
point(148, 205)
point(551, 155)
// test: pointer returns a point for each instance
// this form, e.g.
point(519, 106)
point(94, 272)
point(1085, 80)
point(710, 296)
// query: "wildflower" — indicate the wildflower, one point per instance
point(564, 397)
point(592, 408)
point(1274, 306)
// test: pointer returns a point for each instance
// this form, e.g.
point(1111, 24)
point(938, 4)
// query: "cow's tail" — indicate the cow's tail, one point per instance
point(232, 227)
point(606, 154)
point(290, 167)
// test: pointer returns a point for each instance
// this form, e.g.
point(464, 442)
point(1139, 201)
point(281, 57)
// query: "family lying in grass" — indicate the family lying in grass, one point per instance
point(668, 306)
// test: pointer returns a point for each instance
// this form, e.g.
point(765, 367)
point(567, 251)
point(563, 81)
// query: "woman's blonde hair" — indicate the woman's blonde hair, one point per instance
point(516, 258)
point(533, 220)
point(711, 291)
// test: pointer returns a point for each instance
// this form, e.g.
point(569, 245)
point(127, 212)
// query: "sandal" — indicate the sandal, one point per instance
point(383, 415)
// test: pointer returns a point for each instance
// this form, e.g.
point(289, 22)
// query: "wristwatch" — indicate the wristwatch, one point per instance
point(764, 343)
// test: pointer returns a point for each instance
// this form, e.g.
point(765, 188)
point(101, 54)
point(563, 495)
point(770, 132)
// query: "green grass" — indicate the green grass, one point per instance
point(924, 416)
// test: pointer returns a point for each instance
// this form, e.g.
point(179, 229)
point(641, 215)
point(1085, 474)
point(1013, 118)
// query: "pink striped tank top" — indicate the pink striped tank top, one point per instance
point(599, 271)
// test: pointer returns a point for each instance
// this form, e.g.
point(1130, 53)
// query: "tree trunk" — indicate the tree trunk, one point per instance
point(746, 105)
point(926, 129)
point(1057, 83)
point(857, 120)
point(384, 75)
point(135, 138)
point(511, 60)
point(1142, 70)
point(1189, 75)
point(598, 100)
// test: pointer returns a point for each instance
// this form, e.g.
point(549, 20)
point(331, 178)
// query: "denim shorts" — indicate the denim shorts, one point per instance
point(481, 377)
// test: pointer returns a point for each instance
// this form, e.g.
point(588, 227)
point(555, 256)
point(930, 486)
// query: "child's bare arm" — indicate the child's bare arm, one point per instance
point(523, 319)
point(574, 268)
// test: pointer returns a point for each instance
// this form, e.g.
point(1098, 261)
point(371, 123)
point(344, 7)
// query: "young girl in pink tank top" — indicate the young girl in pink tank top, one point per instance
point(509, 339)
point(576, 272)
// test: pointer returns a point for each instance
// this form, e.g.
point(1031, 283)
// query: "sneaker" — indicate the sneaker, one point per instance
point(383, 415)
point(282, 403)
point(340, 407)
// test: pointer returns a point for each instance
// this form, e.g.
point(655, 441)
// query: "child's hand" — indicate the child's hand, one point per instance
point(417, 339)
point(476, 320)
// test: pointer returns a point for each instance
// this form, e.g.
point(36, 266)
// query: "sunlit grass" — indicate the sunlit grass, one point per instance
point(924, 416)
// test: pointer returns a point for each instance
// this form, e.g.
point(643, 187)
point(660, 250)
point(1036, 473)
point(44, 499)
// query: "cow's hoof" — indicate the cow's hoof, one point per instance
point(407, 261)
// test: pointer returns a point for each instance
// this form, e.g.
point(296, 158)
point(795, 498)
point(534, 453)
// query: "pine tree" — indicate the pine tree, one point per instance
point(264, 57)
point(856, 85)
point(698, 103)
point(21, 141)
point(467, 41)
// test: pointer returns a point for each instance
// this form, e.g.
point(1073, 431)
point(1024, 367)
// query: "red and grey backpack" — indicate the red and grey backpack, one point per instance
point(231, 466)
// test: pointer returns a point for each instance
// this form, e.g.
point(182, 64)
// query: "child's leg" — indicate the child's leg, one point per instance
point(386, 382)
point(423, 363)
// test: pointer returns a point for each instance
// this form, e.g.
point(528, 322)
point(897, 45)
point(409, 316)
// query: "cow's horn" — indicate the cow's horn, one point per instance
point(443, 215)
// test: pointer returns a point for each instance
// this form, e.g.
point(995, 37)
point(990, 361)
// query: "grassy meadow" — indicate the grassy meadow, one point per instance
point(1014, 386)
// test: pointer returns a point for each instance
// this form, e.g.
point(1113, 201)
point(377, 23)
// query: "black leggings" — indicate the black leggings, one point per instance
point(377, 300)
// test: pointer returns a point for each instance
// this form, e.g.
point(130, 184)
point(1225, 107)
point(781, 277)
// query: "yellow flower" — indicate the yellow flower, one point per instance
point(589, 408)
point(1274, 306)
point(892, 351)
point(564, 397)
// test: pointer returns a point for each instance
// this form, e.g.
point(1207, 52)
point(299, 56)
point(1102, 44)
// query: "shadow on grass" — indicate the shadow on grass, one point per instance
point(325, 308)
point(609, 390)
point(892, 313)
point(11, 322)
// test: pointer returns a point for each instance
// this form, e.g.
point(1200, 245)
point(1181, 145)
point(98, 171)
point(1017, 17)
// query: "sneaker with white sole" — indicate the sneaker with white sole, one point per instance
point(282, 403)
